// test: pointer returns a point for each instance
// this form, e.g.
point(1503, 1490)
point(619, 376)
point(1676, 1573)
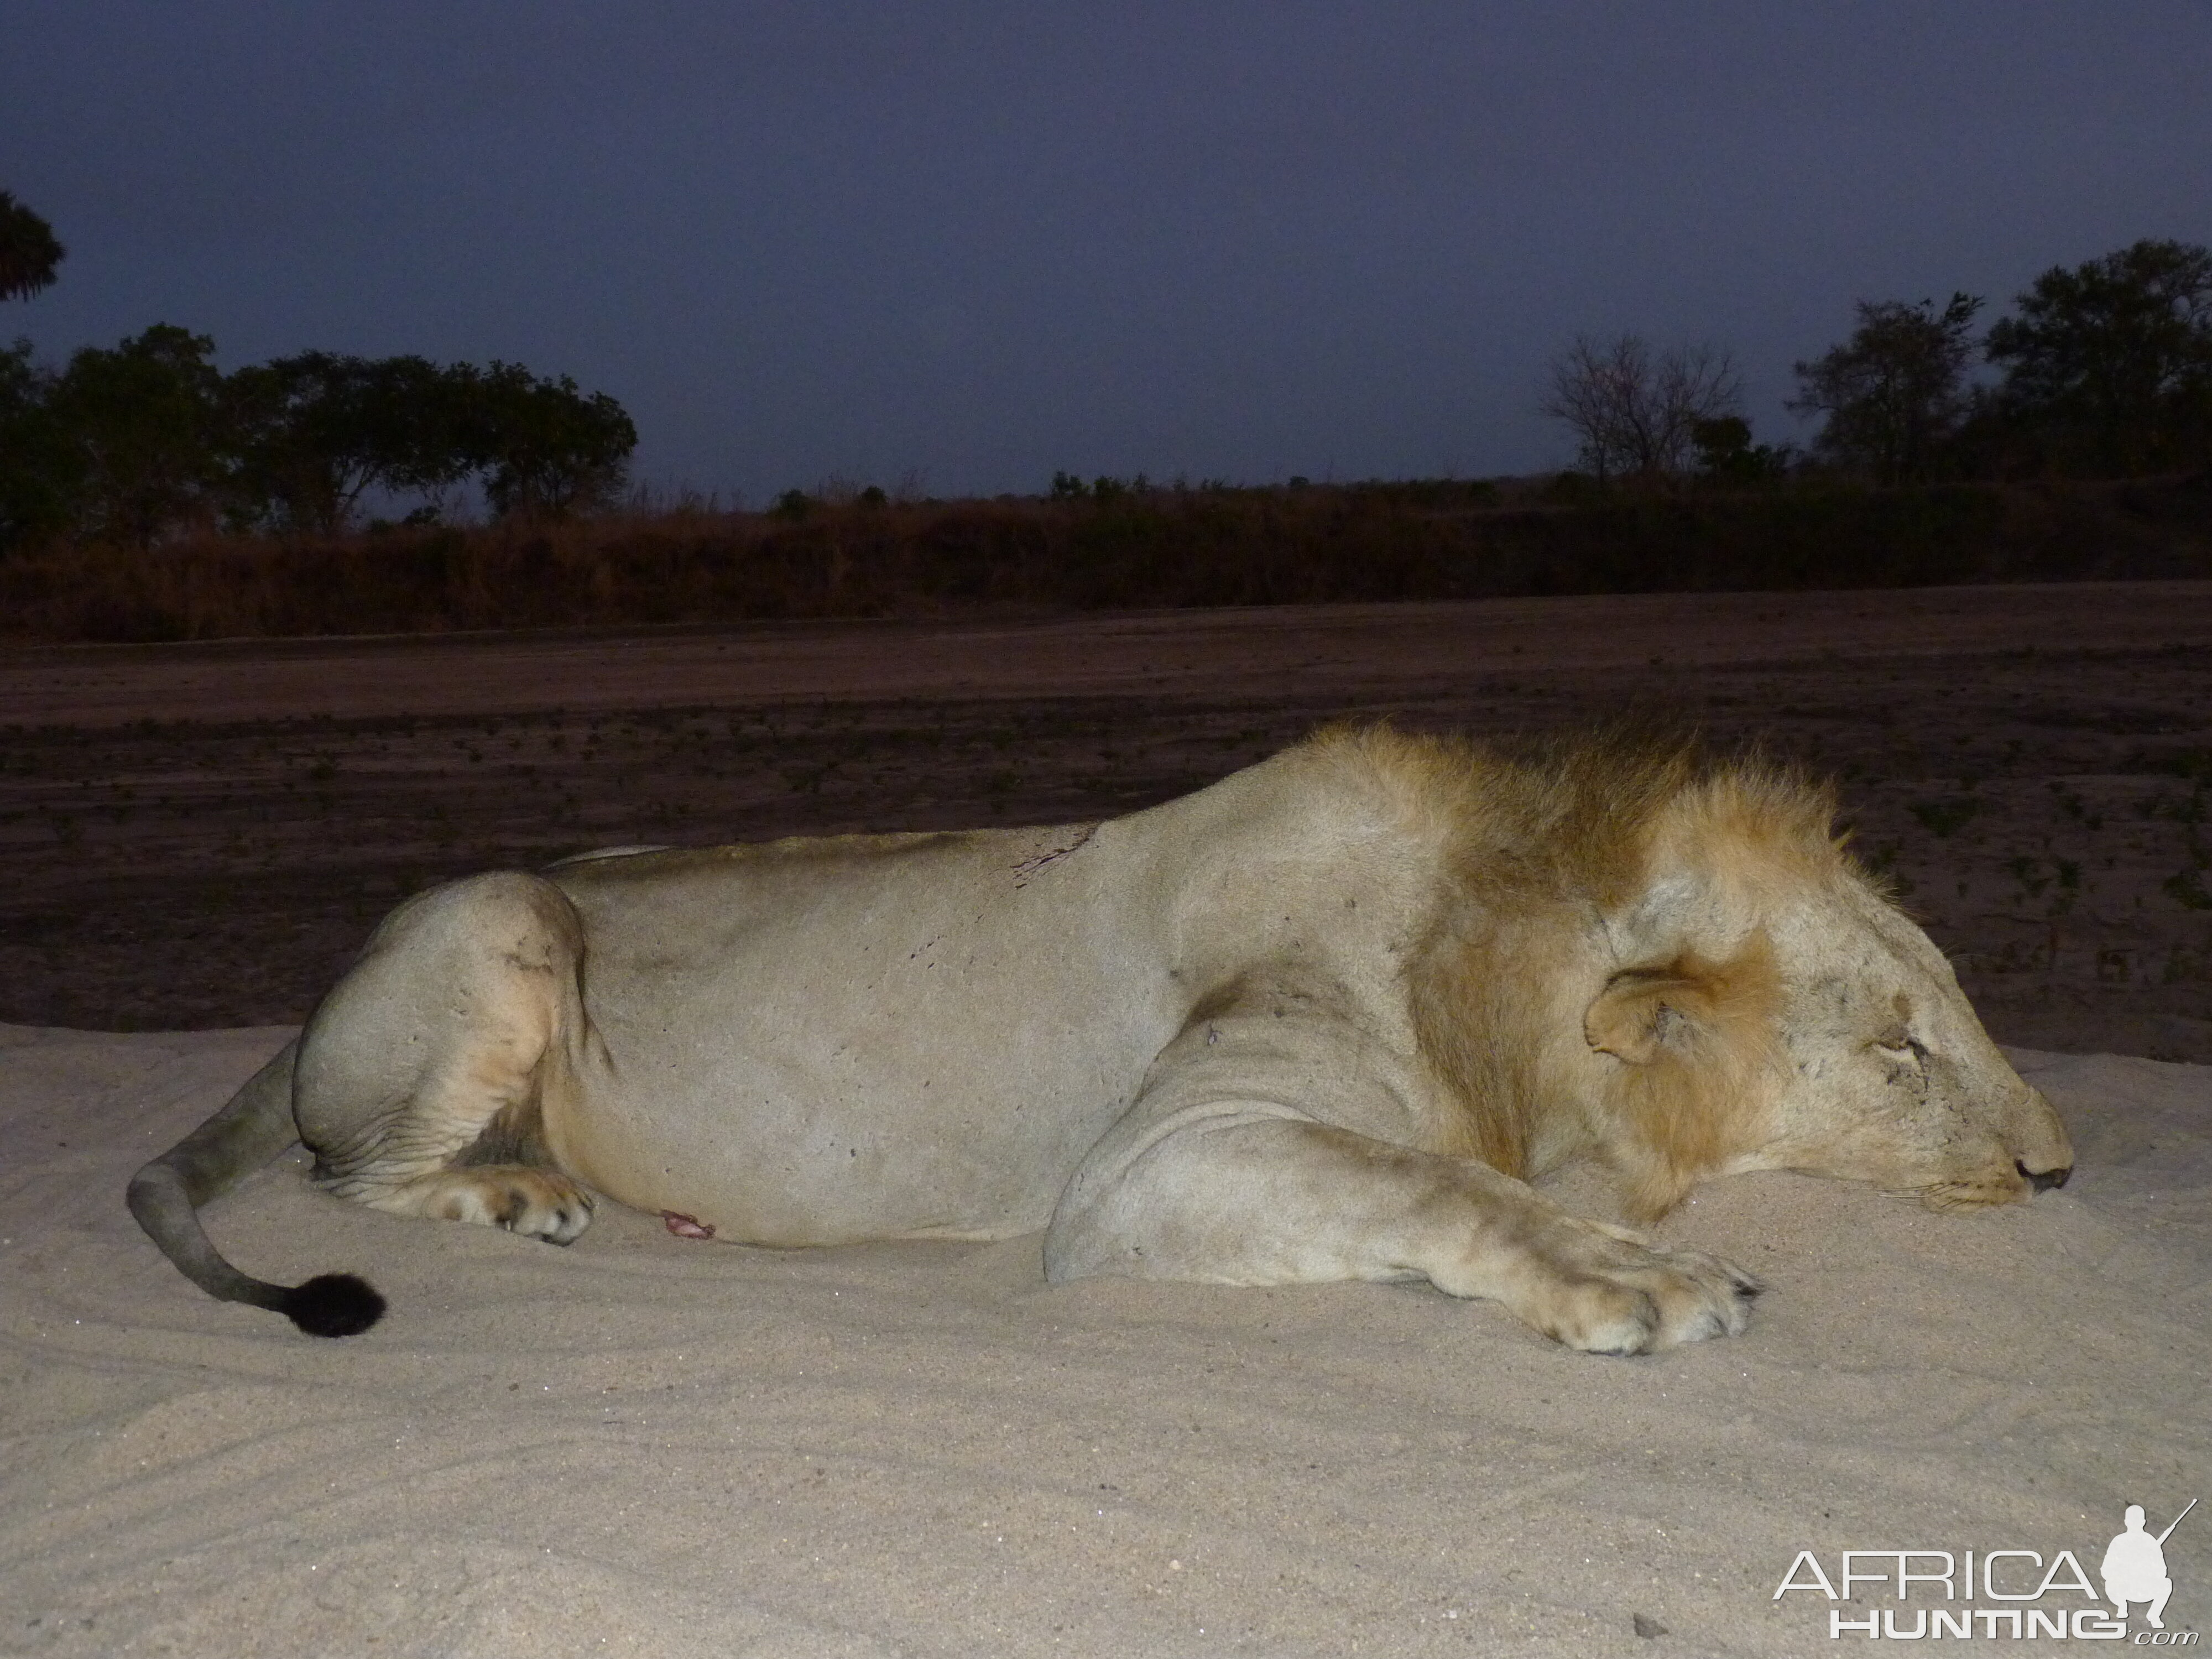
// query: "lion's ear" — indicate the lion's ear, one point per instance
point(1675, 1007)
point(1646, 1012)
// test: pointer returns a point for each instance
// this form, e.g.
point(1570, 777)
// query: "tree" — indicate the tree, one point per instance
point(1636, 415)
point(143, 425)
point(545, 447)
point(1895, 390)
point(28, 251)
point(313, 432)
point(2109, 365)
point(130, 444)
point(310, 434)
point(38, 471)
point(1726, 454)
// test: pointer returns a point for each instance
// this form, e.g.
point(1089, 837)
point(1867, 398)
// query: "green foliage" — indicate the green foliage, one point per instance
point(2108, 367)
point(311, 433)
point(133, 444)
point(1944, 819)
point(2186, 889)
point(28, 250)
point(143, 425)
point(1894, 391)
point(37, 468)
point(1726, 455)
point(545, 449)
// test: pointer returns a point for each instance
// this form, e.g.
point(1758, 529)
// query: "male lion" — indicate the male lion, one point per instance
point(1316, 1022)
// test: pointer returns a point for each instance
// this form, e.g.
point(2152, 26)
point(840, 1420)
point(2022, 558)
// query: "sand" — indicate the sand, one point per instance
point(645, 1446)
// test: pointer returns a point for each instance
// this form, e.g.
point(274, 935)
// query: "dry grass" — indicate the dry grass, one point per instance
point(1140, 549)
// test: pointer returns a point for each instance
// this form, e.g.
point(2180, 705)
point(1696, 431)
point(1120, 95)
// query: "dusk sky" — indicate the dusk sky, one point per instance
point(966, 246)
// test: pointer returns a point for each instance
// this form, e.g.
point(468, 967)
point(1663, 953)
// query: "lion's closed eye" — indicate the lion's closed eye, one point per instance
point(1901, 1048)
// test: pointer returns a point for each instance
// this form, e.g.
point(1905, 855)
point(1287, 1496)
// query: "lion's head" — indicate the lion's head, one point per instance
point(1681, 969)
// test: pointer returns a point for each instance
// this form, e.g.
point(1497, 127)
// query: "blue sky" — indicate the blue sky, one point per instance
point(971, 244)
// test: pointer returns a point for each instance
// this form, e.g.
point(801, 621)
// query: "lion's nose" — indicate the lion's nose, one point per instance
point(2043, 1180)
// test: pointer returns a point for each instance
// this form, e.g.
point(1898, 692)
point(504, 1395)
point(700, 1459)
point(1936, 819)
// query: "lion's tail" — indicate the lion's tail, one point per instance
point(166, 1196)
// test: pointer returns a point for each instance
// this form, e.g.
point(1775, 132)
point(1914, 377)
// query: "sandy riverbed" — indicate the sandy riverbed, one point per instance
point(641, 1445)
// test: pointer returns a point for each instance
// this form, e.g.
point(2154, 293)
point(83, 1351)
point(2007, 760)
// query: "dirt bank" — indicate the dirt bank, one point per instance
point(199, 835)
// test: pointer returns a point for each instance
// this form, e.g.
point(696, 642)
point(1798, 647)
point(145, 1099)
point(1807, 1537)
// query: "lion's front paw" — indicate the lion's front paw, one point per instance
point(1604, 1290)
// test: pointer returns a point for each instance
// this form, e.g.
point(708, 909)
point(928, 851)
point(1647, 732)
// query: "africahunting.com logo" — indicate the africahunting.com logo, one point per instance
point(2132, 1574)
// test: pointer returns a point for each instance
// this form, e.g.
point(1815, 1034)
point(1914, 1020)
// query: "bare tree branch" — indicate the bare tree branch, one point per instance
point(1635, 416)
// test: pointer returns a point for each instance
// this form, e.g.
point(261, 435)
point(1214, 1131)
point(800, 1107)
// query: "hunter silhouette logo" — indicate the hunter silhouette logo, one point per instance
point(2134, 1568)
point(2017, 1581)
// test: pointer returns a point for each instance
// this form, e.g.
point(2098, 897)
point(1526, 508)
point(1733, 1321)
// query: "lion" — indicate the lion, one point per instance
point(1322, 1020)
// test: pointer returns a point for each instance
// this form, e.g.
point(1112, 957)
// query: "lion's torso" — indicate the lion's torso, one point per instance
point(822, 1040)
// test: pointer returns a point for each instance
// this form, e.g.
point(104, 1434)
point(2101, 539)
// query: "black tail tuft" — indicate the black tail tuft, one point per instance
point(333, 1304)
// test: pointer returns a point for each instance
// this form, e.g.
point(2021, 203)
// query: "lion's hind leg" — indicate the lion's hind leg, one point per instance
point(539, 1203)
point(424, 1077)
